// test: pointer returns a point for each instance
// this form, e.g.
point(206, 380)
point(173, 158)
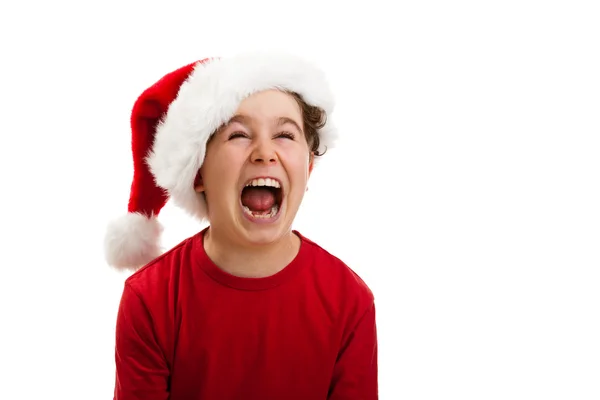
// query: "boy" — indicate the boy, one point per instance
point(248, 308)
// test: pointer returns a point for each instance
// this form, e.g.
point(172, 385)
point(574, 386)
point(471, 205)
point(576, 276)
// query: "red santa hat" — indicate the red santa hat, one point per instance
point(171, 123)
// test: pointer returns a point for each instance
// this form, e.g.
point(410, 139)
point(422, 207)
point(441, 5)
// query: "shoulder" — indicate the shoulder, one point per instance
point(156, 277)
point(337, 276)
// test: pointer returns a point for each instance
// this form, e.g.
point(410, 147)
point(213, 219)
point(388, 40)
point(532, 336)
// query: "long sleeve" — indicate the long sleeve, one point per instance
point(141, 369)
point(355, 372)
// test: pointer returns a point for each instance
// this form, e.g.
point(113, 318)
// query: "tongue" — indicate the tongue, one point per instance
point(258, 198)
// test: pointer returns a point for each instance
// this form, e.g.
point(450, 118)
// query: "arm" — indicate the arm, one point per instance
point(355, 372)
point(141, 369)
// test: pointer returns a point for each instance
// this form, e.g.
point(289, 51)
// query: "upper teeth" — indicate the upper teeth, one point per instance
point(263, 182)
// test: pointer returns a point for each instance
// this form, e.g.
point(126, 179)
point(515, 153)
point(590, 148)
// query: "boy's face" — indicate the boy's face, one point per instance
point(263, 140)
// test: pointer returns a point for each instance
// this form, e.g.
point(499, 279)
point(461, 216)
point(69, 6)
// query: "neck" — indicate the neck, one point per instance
point(250, 261)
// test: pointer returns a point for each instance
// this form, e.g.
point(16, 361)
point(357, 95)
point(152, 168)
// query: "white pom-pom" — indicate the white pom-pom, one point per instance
point(132, 241)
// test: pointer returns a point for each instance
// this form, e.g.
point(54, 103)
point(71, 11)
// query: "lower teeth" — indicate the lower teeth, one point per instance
point(259, 214)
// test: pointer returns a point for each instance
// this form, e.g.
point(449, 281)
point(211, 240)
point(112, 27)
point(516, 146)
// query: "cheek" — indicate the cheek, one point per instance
point(298, 170)
point(295, 153)
point(225, 162)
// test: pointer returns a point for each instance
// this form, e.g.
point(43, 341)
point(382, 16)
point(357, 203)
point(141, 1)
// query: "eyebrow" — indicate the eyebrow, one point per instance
point(245, 120)
point(242, 119)
point(286, 120)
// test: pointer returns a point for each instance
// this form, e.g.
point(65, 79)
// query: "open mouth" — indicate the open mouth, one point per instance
point(261, 198)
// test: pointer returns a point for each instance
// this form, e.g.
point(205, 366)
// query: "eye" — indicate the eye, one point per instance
point(237, 134)
point(287, 135)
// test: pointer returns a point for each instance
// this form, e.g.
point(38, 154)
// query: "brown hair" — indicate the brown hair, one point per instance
point(314, 118)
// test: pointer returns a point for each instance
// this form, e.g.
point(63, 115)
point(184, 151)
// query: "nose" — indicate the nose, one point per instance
point(264, 152)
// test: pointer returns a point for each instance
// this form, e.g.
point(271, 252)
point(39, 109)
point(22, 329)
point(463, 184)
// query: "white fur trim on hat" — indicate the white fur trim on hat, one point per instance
point(209, 98)
point(132, 241)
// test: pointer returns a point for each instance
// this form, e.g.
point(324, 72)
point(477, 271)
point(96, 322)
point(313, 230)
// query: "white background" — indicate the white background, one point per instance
point(465, 192)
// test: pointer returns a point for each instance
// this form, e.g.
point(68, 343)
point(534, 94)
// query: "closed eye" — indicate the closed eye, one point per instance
point(287, 135)
point(237, 135)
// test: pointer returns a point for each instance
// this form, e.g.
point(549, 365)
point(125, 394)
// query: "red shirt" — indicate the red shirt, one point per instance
point(187, 330)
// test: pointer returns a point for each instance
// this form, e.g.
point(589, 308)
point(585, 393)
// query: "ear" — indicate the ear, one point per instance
point(199, 183)
point(311, 162)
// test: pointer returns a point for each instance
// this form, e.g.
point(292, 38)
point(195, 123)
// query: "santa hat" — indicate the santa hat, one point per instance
point(171, 123)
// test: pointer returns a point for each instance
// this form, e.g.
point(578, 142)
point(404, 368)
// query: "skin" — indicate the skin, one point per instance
point(256, 142)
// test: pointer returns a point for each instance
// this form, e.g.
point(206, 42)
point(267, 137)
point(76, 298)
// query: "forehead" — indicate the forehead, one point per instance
point(270, 104)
